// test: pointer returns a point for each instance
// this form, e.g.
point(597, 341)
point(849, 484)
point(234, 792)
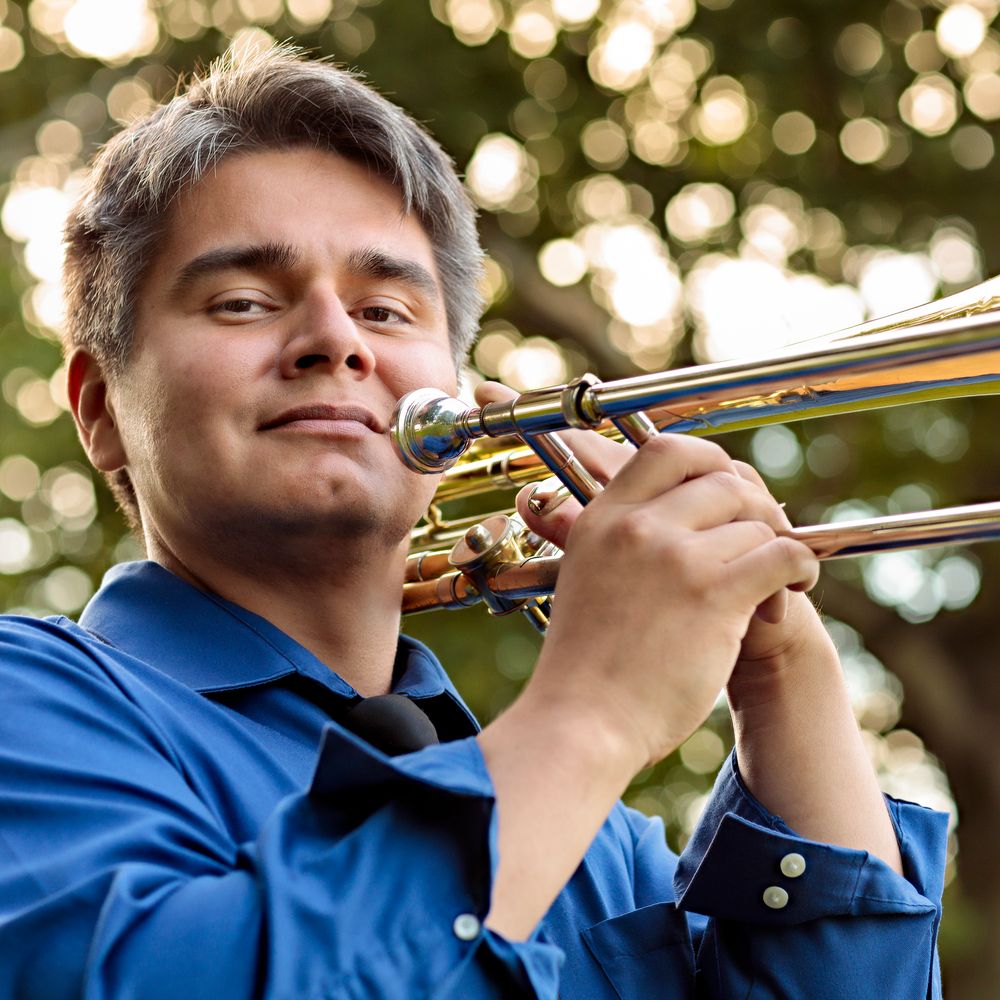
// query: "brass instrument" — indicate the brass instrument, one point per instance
point(948, 348)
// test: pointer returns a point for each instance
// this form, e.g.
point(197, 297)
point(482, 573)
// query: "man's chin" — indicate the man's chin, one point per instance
point(353, 523)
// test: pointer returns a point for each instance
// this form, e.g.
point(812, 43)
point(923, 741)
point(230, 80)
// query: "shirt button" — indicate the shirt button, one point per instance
point(466, 926)
point(775, 897)
point(793, 865)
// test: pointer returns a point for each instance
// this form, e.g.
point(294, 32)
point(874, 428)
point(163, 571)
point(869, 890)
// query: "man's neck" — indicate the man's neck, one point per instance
point(345, 611)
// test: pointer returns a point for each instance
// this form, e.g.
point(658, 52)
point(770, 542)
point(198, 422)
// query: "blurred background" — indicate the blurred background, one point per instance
point(661, 182)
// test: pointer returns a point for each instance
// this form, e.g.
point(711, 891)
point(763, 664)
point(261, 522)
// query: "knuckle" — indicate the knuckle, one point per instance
point(796, 556)
point(692, 573)
point(661, 445)
point(726, 483)
point(748, 473)
point(634, 529)
point(711, 450)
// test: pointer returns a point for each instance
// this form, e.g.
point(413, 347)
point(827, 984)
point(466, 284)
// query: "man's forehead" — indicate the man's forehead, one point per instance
point(292, 198)
point(264, 174)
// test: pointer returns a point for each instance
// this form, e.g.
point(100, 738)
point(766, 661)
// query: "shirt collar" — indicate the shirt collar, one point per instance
point(211, 644)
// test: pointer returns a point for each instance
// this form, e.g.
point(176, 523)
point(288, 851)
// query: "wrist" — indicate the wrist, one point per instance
point(778, 661)
point(579, 731)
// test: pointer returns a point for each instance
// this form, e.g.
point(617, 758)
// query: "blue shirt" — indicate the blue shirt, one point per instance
point(179, 818)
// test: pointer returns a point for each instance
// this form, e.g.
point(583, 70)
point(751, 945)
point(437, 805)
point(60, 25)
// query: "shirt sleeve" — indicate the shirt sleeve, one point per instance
point(118, 880)
point(792, 918)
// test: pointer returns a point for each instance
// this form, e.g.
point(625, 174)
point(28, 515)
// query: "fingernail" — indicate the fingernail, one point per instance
point(543, 502)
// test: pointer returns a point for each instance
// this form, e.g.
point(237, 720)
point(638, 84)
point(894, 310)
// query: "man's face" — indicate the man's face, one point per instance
point(290, 305)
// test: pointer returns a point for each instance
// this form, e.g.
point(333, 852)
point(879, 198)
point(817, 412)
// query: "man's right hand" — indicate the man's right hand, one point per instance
point(662, 574)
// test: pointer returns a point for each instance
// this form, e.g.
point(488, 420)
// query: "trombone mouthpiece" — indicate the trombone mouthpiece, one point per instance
point(430, 430)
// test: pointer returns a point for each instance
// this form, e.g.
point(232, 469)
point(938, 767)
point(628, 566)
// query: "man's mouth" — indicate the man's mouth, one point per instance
point(320, 416)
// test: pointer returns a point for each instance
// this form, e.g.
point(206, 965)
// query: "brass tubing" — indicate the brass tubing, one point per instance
point(537, 576)
point(711, 399)
point(449, 592)
point(427, 537)
point(561, 462)
point(927, 362)
point(426, 566)
point(953, 357)
point(921, 362)
point(920, 530)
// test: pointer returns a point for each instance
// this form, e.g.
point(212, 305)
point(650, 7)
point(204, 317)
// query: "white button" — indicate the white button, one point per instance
point(466, 926)
point(793, 865)
point(775, 897)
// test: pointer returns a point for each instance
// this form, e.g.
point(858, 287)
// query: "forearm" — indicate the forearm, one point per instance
point(800, 751)
point(556, 775)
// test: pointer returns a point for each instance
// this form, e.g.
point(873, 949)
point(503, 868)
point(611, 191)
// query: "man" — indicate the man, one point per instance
point(256, 273)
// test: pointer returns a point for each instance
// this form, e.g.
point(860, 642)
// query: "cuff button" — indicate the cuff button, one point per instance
point(775, 897)
point(793, 865)
point(466, 926)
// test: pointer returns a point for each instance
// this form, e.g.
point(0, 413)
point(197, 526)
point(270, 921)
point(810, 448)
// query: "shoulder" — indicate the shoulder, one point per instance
point(24, 639)
point(53, 660)
point(61, 686)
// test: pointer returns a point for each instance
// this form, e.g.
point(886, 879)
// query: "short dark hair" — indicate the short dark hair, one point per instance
point(264, 100)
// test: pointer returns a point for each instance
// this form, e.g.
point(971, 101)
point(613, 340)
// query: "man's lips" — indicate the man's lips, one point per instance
point(325, 413)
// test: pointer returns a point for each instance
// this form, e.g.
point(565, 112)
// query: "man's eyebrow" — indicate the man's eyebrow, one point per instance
point(374, 263)
point(255, 257)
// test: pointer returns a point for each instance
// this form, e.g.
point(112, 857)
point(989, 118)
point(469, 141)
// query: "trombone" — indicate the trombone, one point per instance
point(948, 348)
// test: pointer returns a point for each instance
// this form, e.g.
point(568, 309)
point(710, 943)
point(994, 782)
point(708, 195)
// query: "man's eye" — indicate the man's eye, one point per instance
point(382, 314)
point(235, 306)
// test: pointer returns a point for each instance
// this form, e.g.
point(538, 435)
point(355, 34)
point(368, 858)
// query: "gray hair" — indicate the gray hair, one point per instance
point(267, 100)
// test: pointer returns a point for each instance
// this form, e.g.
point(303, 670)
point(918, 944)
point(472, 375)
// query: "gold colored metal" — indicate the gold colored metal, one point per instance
point(537, 575)
point(947, 348)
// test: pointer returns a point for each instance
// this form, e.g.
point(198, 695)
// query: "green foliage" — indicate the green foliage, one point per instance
point(883, 171)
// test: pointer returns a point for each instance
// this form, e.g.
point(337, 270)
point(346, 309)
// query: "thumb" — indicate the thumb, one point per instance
point(548, 510)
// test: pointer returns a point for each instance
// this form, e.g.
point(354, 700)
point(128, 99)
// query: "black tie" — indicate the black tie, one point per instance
point(391, 723)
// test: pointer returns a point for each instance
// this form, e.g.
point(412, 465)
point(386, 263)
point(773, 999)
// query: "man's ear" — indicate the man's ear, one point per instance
point(93, 412)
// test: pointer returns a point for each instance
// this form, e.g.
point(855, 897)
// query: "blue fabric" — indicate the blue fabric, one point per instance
point(181, 816)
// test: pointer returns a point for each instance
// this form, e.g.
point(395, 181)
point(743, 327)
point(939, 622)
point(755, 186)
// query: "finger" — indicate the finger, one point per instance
point(778, 519)
point(781, 562)
point(773, 609)
point(602, 457)
point(715, 498)
point(548, 510)
point(663, 462)
point(702, 503)
point(492, 392)
point(730, 541)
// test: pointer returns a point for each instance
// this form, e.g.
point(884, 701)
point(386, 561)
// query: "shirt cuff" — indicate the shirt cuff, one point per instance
point(352, 773)
point(745, 864)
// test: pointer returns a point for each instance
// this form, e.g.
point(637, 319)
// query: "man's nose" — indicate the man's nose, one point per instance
point(327, 336)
